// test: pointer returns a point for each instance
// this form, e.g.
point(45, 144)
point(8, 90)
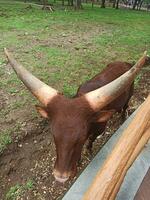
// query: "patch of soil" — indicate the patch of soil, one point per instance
point(66, 39)
point(33, 155)
point(3, 100)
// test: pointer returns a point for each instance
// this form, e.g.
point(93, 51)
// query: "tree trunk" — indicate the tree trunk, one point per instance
point(135, 4)
point(92, 3)
point(78, 4)
point(71, 2)
point(114, 3)
point(103, 4)
point(140, 4)
point(117, 4)
point(45, 3)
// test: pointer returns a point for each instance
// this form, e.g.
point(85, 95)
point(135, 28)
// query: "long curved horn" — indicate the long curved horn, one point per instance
point(104, 95)
point(43, 92)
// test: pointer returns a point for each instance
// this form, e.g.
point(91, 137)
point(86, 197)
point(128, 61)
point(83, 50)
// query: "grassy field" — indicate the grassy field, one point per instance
point(63, 48)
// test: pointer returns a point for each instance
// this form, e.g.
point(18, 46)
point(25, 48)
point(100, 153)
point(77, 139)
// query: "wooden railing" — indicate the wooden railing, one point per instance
point(110, 177)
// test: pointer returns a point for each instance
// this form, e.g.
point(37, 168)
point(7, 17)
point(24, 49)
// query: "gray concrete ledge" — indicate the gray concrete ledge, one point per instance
point(132, 180)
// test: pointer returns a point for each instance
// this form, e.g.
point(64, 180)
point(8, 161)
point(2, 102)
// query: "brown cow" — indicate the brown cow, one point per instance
point(72, 120)
point(120, 104)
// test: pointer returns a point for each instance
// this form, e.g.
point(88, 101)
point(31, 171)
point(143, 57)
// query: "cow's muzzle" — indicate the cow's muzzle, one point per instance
point(61, 177)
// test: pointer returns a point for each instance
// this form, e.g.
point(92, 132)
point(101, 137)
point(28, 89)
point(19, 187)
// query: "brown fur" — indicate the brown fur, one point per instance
point(73, 121)
point(69, 125)
point(120, 104)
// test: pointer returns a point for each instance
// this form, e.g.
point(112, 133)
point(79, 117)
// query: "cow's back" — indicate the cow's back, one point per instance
point(110, 73)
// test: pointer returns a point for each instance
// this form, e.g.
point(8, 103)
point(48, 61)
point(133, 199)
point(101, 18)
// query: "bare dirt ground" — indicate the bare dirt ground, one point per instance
point(32, 155)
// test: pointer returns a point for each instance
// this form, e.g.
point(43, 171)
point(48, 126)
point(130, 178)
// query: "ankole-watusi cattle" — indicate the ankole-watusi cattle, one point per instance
point(75, 120)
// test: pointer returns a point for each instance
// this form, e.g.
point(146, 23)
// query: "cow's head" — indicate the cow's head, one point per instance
point(69, 125)
point(70, 118)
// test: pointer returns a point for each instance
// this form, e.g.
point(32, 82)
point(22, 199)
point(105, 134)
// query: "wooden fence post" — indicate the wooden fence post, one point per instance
point(109, 178)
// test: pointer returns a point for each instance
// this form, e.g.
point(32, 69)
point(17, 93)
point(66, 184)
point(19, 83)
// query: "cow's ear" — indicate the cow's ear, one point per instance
point(42, 111)
point(105, 115)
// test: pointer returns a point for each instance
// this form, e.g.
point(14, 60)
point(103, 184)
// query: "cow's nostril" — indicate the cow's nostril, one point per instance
point(60, 177)
point(61, 180)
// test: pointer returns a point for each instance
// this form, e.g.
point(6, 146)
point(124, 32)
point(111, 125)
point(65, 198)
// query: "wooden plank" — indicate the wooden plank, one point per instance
point(144, 139)
point(143, 192)
point(115, 166)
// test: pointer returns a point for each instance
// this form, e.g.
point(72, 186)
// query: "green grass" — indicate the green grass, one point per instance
point(5, 139)
point(17, 190)
point(65, 48)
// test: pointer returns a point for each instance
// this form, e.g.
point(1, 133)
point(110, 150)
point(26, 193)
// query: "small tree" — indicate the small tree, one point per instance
point(114, 3)
point(135, 4)
point(140, 5)
point(45, 3)
point(78, 5)
point(70, 2)
point(103, 4)
point(117, 4)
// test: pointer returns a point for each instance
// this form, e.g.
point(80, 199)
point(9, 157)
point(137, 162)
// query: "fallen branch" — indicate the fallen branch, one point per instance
point(43, 7)
point(48, 7)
